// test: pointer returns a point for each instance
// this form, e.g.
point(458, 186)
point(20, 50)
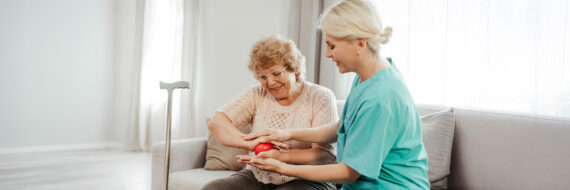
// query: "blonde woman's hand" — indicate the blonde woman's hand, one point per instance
point(268, 135)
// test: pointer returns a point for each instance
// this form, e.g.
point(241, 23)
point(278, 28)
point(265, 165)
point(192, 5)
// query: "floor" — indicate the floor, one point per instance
point(106, 169)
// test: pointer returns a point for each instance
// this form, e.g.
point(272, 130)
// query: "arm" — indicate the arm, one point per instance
point(339, 173)
point(306, 156)
point(321, 134)
point(227, 133)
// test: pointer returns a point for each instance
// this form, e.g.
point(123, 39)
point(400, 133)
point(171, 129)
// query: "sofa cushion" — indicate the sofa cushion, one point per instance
point(438, 129)
point(220, 157)
point(195, 178)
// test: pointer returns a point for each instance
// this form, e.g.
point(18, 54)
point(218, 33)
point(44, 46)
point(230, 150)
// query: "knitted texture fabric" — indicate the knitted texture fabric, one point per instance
point(315, 106)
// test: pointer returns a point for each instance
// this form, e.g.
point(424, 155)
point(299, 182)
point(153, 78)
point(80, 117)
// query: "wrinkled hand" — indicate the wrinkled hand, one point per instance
point(268, 135)
point(273, 153)
point(264, 163)
point(252, 143)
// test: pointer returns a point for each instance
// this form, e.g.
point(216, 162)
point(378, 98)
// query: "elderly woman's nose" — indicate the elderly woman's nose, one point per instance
point(270, 80)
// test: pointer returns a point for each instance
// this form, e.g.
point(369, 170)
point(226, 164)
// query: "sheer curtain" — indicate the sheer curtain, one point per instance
point(329, 76)
point(168, 54)
point(491, 55)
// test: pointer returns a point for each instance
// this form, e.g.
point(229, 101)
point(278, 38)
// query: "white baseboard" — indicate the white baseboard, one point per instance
point(87, 146)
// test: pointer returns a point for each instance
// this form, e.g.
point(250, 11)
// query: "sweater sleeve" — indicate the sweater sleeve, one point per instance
point(324, 112)
point(242, 108)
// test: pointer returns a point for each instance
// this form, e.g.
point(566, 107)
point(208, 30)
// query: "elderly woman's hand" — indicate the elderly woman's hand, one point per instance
point(266, 160)
point(273, 153)
point(254, 142)
point(268, 135)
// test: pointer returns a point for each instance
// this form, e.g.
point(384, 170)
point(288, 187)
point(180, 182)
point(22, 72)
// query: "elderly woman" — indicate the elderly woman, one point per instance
point(282, 100)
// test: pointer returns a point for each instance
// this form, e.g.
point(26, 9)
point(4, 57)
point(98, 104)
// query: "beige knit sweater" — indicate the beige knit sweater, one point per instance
point(315, 106)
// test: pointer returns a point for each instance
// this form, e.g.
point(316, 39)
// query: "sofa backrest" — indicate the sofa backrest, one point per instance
point(501, 151)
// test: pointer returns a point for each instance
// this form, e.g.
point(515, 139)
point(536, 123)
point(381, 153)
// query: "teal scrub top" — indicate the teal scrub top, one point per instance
point(380, 134)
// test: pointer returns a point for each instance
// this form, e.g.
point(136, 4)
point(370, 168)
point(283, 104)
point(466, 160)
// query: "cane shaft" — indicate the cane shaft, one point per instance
point(167, 143)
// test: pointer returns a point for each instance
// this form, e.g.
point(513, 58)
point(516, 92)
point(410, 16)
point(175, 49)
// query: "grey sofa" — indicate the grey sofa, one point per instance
point(490, 151)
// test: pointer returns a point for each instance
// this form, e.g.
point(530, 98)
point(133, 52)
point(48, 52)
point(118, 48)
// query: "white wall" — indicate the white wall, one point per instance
point(229, 29)
point(56, 72)
point(65, 65)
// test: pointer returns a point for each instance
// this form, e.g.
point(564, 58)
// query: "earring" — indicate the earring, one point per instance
point(358, 53)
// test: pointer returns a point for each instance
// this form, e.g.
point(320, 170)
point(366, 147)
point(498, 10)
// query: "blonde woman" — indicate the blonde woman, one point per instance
point(379, 137)
point(282, 100)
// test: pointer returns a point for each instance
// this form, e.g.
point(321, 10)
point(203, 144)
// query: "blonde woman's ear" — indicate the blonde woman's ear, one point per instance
point(362, 44)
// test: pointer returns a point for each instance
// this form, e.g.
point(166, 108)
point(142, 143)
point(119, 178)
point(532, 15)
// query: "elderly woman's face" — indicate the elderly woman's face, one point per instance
point(277, 80)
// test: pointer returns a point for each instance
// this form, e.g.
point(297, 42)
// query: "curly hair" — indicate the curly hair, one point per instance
point(273, 50)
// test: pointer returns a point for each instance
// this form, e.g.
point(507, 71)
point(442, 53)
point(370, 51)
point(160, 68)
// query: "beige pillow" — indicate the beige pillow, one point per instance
point(220, 157)
point(438, 129)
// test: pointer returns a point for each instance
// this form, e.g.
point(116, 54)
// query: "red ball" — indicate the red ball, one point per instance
point(262, 147)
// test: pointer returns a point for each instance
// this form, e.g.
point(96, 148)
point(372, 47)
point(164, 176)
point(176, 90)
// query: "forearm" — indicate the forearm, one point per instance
point(339, 173)
point(321, 134)
point(307, 156)
point(226, 133)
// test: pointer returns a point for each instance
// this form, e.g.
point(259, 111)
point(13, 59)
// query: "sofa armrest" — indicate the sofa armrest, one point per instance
point(185, 154)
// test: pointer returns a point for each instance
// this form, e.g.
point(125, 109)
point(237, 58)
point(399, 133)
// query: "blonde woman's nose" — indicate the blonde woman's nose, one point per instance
point(328, 53)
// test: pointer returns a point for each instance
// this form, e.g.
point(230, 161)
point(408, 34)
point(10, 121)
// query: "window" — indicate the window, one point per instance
point(506, 56)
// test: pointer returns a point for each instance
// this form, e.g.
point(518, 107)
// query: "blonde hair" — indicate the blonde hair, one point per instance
point(354, 19)
point(274, 50)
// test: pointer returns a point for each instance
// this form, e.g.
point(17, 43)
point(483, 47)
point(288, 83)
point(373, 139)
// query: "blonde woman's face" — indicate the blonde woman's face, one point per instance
point(342, 52)
point(277, 83)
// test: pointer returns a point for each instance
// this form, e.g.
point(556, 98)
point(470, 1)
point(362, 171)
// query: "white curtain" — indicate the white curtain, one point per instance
point(303, 29)
point(329, 75)
point(491, 55)
point(168, 54)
